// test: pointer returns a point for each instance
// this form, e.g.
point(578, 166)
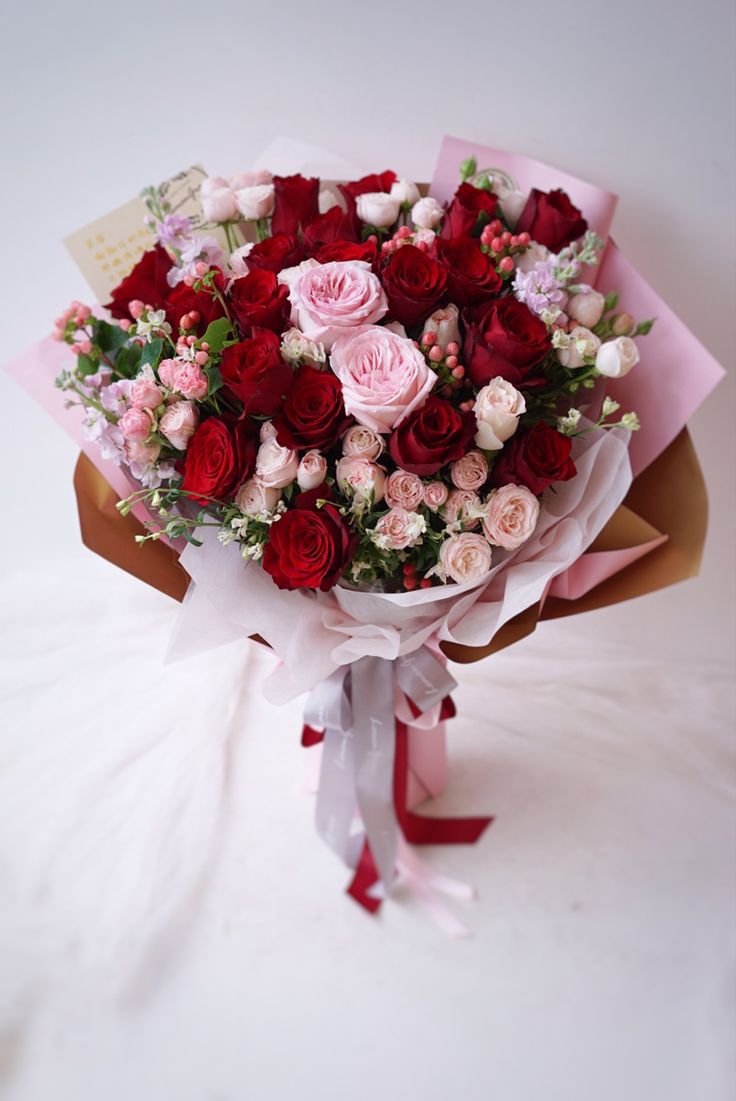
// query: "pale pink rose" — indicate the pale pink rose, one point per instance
point(444, 324)
point(249, 179)
point(405, 191)
point(586, 307)
point(190, 380)
point(143, 453)
point(328, 198)
point(377, 208)
point(497, 409)
point(255, 202)
point(616, 357)
point(238, 260)
point(470, 472)
point(267, 431)
point(460, 506)
point(465, 557)
point(535, 254)
point(363, 442)
point(136, 424)
point(178, 423)
point(424, 237)
point(427, 213)
point(276, 466)
point(511, 516)
point(582, 345)
point(399, 529)
point(330, 300)
point(384, 376)
point(361, 477)
point(254, 499)
point(219, 205)
point(435, 495)
point(212, 183)
point(145, 394)
point(311, 471)
point(404, 490)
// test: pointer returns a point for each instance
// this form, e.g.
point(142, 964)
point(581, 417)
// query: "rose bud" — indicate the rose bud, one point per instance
point(405, 191)
point(586, 308)
point(376, 208)
point(444, 324)
point(255, 202)
point(219, 205)
point(254, 498)
point(616, 357)
point(311, 470)
point(427, 213)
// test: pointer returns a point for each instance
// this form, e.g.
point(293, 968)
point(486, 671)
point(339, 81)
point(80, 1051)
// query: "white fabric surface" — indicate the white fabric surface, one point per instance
point(173, 927)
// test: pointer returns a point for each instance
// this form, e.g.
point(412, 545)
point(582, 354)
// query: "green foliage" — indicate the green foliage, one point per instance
point(108, 338)
point(151, 353)
point(86, 365)
point(128, 361)
point(218, 335)
point(215, 380)
point(644, 327)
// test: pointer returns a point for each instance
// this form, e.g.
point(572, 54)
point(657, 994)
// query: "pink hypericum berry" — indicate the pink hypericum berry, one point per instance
point(422, 246)
point(507, 264)
point(486, 236)
point(496, 227)
point(452, 362)
point(191, 340)
point(436, 353)
point(136, 308)
point(506, 238)
point(524, 239)
point(205, 346)
point(458, 372)
point(125, 324)
point(452, 348)
point(425, 583)
point(85, 347)
point(201, 358)
point(466, 406)
point(58, 334)
point(186, 322)
point(429, 339)
point(201, 268)
point(410, 582)
point(497, 244)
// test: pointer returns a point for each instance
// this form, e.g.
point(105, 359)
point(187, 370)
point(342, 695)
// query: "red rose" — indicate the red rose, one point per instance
point(327, 228)
point(470, 207)
point(309, 548)
point(183, 299)
point(436, 434)
point(295, 200)
point(220, 456)
point(551, 219)
point(260, 301)
point(535, 459)
point(313, 414)
point(471, 275)
point(504, 339)
point(256, 374)
point(275, 253)
point(348, 250)
point(415, 284)
point(146, 282)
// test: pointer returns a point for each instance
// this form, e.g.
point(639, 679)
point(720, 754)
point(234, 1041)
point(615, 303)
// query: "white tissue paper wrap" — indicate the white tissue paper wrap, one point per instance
point(313, 633)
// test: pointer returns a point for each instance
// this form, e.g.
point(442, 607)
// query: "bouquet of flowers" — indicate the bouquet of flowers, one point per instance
point(377, 427)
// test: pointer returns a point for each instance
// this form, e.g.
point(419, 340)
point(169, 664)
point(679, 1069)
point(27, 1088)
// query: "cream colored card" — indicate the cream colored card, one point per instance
point(108, 248)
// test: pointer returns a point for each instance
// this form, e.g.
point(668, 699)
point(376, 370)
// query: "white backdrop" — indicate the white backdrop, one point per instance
point(144, 958)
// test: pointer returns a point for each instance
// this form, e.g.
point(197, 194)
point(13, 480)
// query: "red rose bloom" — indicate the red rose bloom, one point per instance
point(551, 219)
point(313, 414)
point(436, 434)
point(295, 201)
point(256, 374)
point(146, 282)
point(260, 301)
point(471, 275)
point(220, 456)
point(275, 253)
point(469, 204)
point(415, 284)
point(504, 339)
point(309, 548)
point(183, 299)
point(327, 228)
point(348, 250)
point(535, 459)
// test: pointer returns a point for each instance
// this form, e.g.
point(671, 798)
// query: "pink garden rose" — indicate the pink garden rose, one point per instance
point(178, 423)
point(143, 453)
point(136, 424)
point(361, 477)
point(362, 441)
point(435, 495)
point(512, 516)
point(470, 472)
point(404, 490)
point(311, 470)
point(253, 498)
point(460, 506)
point(330, 300)
point(465, 557)
point(399, 529)
point(384, 376)
point(276, 466)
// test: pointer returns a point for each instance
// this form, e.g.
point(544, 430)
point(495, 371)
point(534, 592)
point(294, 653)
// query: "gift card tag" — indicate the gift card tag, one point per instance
point(108, 248)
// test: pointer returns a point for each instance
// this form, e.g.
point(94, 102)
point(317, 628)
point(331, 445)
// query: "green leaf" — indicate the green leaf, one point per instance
point(485, 184)
point(86, 365)
point(107, 337)
point(218, 334)
point(644, 327)
point(128, 360)
point(611, 301)
point(152, 352)
point(215, 381)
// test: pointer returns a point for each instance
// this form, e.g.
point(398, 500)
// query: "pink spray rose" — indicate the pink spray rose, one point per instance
point(185, 377)
point(361, 477)
point(254, 499)
point(145, 394)
point(178, 423)
point(363, 442)
point(465, 557)
point(384, 376)
point(404, 490)
point(136, 424)
point(435, 495)
point(311, 471)
point(511, 517)
point(399, 529)
point(470, 472)
point(460, 507)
